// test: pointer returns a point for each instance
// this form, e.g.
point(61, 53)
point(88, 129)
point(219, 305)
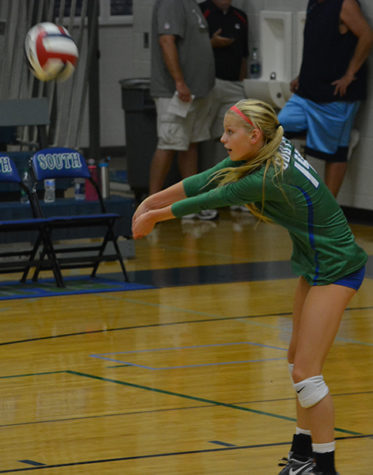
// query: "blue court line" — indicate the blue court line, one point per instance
point(32, 462)
point(224, 444)
point(75, 285)
point(128, 363)
point(173, 348)
point(192, 365)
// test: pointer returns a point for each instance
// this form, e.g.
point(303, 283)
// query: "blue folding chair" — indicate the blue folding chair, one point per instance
point(63, 163)
point(34, 229)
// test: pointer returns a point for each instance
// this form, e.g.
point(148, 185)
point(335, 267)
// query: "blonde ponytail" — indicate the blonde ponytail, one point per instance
point(262, 116)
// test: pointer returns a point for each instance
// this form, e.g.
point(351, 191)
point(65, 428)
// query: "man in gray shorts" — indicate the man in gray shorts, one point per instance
point(182, 77)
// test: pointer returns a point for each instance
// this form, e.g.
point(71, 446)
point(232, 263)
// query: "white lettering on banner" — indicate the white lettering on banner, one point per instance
point(300, 163)
point(59, 161)
point(5, 165)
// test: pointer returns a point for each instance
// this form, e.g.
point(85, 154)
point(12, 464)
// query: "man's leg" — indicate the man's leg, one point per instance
point(159, 168)
point(292, 116)
point(334, 175)
point(188, 161)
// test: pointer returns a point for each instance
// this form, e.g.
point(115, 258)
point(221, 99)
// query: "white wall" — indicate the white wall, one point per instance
point(123, 55)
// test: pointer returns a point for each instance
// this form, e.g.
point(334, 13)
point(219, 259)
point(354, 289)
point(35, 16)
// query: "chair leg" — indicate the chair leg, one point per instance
point(48, 250)
point(54, 262)
point(38, 266)
point(101, 253)
point(31, 258)
point(120, 259)
point(110, 236)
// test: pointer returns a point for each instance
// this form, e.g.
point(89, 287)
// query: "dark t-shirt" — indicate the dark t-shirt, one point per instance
point(234, 24)
point(326, 55)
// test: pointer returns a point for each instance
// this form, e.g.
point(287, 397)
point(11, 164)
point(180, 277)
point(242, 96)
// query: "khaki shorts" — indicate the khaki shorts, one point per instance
point(225, 95)
point(177, 133)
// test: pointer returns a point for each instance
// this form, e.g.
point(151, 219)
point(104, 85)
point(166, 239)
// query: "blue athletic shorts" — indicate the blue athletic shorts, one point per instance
point(328, 125)
point(353, 280)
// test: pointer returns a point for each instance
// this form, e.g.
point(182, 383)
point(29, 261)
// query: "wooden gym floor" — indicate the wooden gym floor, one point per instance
point(186, 377)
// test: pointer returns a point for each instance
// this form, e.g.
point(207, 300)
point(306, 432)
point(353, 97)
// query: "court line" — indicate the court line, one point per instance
point(191, 347)
point(153, 411)
point(196, 398)
point(142, 412)
point(103, 356)
point(31, 374)
point(32, 462)
point(200, 365)
point(149, 325)
point(165, 324)
point(165, 454)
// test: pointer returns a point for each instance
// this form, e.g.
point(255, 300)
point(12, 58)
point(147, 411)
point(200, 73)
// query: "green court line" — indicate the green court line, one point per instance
point(170, 393)
point(31, 374)
point(195, 398)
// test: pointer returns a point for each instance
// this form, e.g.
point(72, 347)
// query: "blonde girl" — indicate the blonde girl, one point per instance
point(266, 173)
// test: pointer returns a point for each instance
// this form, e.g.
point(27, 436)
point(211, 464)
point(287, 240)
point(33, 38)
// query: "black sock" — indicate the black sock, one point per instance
point(302, 445)
point(325, 462)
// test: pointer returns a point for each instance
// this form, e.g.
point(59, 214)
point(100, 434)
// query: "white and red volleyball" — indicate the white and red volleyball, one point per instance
point(50, 51)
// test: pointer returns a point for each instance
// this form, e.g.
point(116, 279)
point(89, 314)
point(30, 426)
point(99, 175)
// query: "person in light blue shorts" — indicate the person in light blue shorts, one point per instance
point(328, 125)
point(331, 84)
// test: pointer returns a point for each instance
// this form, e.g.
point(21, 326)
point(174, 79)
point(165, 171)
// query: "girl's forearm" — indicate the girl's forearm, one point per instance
point(162, 214)
point(166, 197)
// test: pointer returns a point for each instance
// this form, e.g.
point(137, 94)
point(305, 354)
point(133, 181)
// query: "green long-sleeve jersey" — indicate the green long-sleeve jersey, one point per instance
point(324, 248)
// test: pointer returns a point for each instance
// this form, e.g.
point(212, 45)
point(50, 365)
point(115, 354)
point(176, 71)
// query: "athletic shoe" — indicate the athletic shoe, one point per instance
point(188, 217)
point(293, 466)
point(204, 215)
point(242, 208)
point(208, 214)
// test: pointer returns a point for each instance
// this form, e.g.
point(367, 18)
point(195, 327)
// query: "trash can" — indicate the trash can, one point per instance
point(141, 135)
point(141, 132)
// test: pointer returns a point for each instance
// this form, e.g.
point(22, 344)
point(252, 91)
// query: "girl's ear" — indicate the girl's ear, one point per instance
point(255, 136)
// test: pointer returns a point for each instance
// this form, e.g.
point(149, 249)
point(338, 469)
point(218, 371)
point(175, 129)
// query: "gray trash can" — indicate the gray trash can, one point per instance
point(141, 132)
point(141, 135)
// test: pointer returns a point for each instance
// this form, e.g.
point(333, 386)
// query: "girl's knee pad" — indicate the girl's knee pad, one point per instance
point(310, 391)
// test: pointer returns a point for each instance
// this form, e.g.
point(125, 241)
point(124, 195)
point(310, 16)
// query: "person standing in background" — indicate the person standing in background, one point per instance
point(228, 29)
point(331, 84)
point(182, 77)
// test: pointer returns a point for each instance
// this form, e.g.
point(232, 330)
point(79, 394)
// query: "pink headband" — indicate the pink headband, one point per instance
point(241, 114)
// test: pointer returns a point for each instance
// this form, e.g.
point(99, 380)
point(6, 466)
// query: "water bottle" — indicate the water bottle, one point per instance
point(26, 179)
point(79, 189)
point(255, 66)
point(104, 178)
point(90, 192)
point(49, 190)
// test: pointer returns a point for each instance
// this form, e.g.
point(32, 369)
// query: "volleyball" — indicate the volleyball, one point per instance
point(50, 51)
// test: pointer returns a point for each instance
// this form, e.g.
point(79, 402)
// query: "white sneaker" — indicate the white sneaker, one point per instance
point(190, 216)
point(208, 214)
point(242, 208)
point(204, 215)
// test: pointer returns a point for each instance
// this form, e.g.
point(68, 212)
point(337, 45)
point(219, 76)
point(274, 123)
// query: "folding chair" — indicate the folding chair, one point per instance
point(62, 163)
point(23, 260)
